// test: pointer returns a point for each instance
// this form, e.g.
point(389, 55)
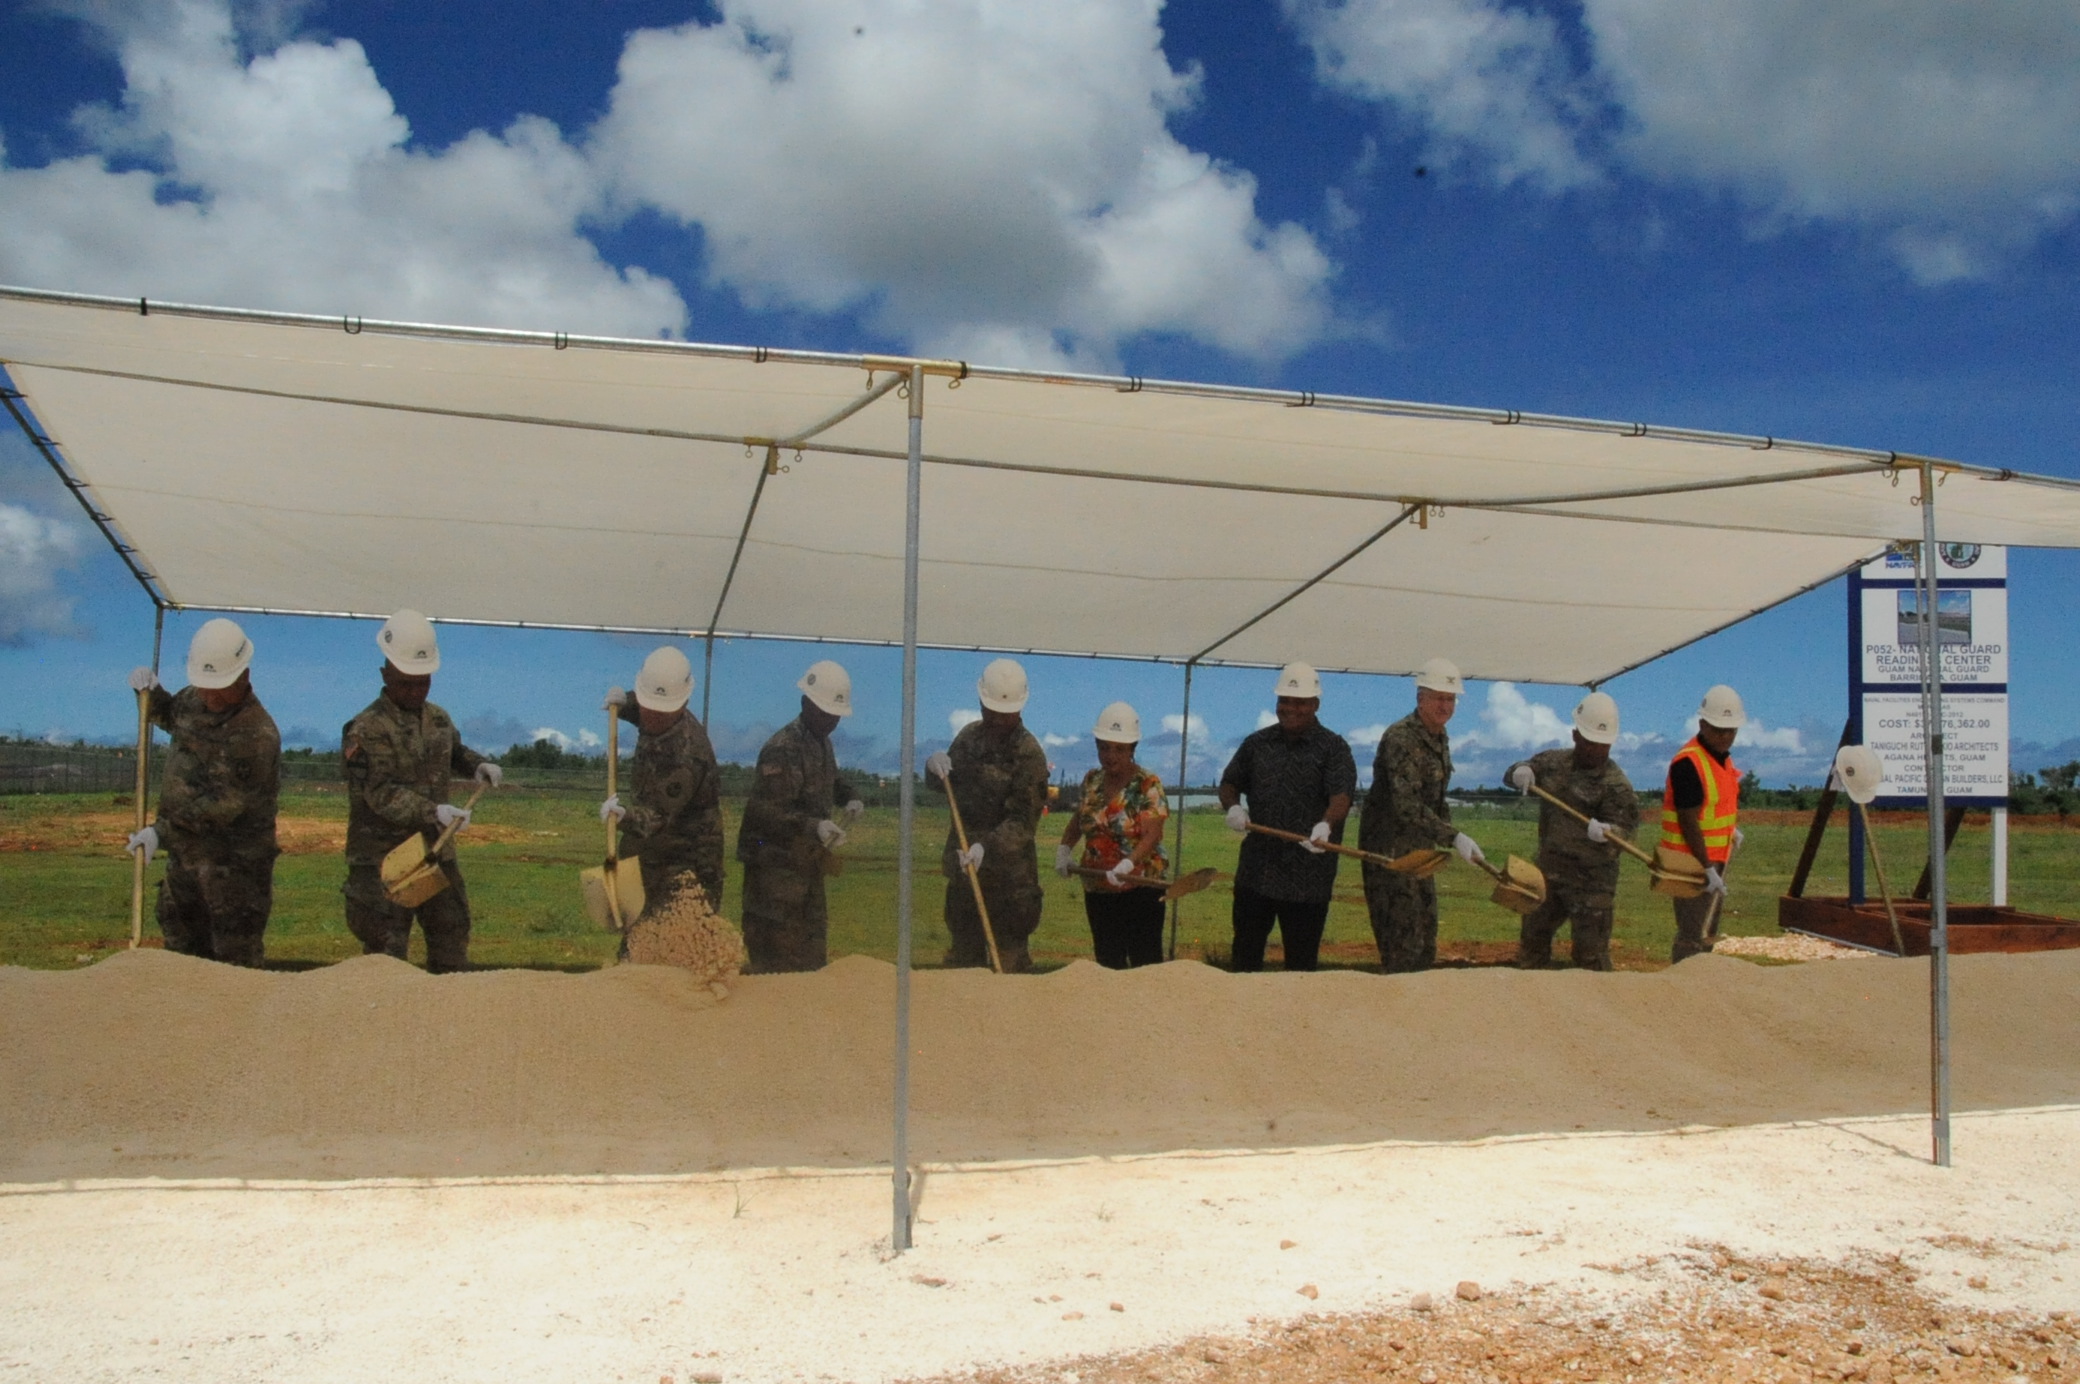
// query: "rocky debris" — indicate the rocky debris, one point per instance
point(1862, 1320)
point(683, 930)
point(1468, 1291)
point(1788, 948)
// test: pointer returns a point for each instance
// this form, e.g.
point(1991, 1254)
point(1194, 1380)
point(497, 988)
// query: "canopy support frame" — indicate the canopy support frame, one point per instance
point(1184, 781)
point(913, 477)
point(1929, 580)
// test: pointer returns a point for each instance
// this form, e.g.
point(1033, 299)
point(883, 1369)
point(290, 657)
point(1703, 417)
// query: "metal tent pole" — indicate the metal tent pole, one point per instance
point(899, 1238)
point(1938, 882)
point(1184, 743)
point(707, 680)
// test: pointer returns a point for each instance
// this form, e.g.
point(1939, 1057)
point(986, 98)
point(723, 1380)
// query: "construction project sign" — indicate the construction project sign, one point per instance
point(1886, 620)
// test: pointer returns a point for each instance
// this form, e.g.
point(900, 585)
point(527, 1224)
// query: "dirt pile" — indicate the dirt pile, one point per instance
point(149, 1062)
point(684, 931)
point(1716, 1318)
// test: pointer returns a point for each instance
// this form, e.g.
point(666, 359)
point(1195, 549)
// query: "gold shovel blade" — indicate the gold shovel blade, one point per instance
point(1191, 883)
point(410, 877)
point(1677, 874)
point(1421, 863)
point(1525, 886)
point(604, 888)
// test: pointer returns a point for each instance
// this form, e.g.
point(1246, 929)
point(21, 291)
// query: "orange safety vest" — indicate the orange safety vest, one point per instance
point(1722, 803)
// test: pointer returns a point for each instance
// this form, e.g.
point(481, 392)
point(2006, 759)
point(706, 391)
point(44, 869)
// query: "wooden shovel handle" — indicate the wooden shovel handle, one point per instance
point(1371, 858)
point(1610, 834)
point(441, 841)
point(960, 832)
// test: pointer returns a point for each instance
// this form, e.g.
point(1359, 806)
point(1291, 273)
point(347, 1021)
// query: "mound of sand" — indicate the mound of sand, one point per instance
point(151, 1062)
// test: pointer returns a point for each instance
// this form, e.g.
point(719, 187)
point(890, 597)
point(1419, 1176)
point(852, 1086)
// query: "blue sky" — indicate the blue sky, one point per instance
point(1852, 224)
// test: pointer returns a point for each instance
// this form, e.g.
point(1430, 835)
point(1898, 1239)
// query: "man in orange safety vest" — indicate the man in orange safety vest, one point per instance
point(1700, 811)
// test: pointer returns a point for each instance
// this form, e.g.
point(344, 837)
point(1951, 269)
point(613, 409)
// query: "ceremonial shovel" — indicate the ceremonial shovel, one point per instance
point(1862, 774)
point(612, 899)
point(1420, 863)
point(1172, 889)
point(412, 871)
point(1677, 883)
point(989, 935)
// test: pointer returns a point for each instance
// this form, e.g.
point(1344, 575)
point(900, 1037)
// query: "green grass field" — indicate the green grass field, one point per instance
point(64, 886)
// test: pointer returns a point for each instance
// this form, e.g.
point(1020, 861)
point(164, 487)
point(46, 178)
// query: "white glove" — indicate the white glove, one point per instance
point(444, 813)
point(1521, 777)
point(1065, 861)
point(146, 840)
point(1714, 882)
point(1120, 873)
point(1238, 818)
point(490, 775)
point(853, 809)
point(972, 857)
point(612, 810)
point(938, 764)
point(1599, 832)
point(1469, 850)
point(830, 834)
point(616, 699)
point(1738, 837)
point(143, 679)
point(1313, 844)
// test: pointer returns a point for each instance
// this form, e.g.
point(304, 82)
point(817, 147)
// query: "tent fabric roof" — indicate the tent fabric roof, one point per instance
point(259, 461)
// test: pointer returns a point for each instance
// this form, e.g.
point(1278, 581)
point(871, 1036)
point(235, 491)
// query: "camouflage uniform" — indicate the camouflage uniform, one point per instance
point(398, 764)
point(786, 925)
point(216, 822)
point(1000, 782)
point(1581, 876)
point(674, 820)
point(1405, 811)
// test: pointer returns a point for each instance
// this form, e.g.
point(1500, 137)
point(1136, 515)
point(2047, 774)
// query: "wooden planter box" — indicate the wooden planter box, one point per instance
point(1973, 927)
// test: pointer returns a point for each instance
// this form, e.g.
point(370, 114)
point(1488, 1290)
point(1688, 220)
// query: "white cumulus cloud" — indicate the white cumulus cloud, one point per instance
point(961, 716)
point(1174, 723)
point(1512, 721)
point(1483, 77)
point(986, 179)
point(33, 550)
point(1949, 133)
point(284, 180)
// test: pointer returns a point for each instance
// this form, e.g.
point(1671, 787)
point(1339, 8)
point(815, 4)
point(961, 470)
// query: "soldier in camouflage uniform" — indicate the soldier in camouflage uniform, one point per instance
point(1000, 782)
point(673, 820)
point(788, 833)
point(216, 802)
point(1405, 810)
point(399, 755)
point(1580, 861)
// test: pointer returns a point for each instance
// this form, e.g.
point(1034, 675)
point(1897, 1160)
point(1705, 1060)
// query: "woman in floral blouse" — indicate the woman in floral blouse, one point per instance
point(1119, 819)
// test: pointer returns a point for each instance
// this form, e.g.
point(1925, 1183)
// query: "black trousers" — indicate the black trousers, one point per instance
point(1299, 923)
point(1126, 928)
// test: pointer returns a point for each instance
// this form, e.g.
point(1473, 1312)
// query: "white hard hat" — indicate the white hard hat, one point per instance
point(829, 686)
point(406, 639)
point(1118, 725)
point(1722, 708)
point(1299, 680)
point(1002, 686)
point(1860, 770)
point(1596, 717)
point(665, 682)
point(1441, 675)
point(218, 653)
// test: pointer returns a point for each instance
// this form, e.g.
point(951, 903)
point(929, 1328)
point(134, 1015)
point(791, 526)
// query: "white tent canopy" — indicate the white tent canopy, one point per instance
point(253, 461)
point(262, 461)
